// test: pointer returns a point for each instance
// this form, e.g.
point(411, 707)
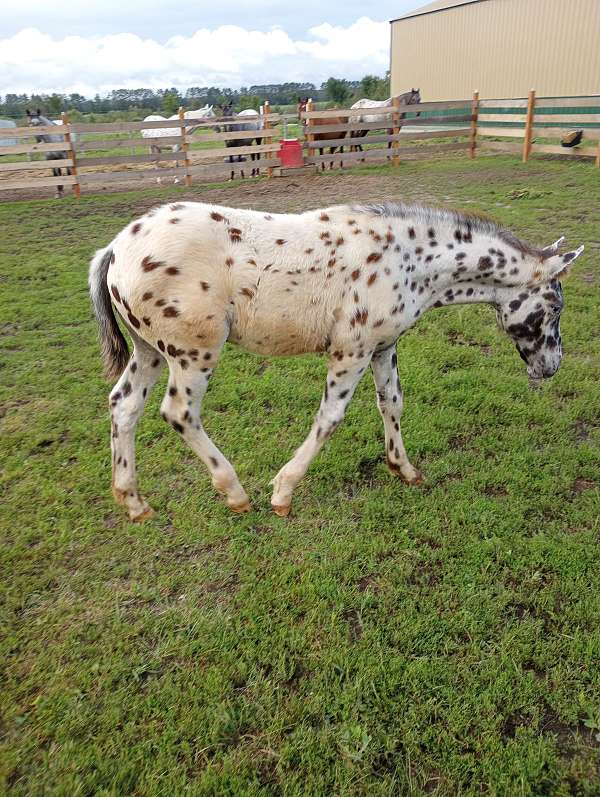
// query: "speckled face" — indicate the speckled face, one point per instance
point(532, 319)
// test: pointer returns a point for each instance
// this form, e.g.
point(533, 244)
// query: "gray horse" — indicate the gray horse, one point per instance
point(36, 119)
point(412, 97)
point(254, 123)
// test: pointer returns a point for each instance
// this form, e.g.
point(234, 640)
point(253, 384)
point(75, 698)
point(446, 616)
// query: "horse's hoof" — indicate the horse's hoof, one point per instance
point(283, 510)
point(414, 478)
point(240, 508)
point(139, 517)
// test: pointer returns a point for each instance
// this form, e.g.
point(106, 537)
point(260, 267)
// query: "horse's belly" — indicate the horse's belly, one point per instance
point(280, 326)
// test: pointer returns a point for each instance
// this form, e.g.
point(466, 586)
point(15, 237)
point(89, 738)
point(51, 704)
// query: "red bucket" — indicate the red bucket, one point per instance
point(290, 153)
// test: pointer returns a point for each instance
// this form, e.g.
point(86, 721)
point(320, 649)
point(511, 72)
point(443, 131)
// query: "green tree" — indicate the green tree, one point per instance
point(375, 88)
point(54, 104)
point(338, 90)
point(171, 102)
point(249, 101)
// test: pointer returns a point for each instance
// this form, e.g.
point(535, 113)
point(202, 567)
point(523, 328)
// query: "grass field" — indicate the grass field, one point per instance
point(383, 640)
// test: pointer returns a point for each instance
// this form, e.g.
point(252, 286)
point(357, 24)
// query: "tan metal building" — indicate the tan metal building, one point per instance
point(503, 48)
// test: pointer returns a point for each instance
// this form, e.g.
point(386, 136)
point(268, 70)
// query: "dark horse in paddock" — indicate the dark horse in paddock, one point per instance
point(328, 136)
point(254, 123)
point(36, 119)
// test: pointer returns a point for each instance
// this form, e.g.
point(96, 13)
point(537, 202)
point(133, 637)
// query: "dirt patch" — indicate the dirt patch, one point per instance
point(367, 583)
point(338, 187)
point(581, 485)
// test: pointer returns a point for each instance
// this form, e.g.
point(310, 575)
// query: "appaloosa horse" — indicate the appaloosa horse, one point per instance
point(36, 119)
point(345, 280)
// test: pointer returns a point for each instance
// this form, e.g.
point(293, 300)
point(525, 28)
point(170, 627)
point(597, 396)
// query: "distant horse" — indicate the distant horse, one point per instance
point(200, 114)
point(329, 136)
point(36, 119)
point(412, 97)
point(254, 123)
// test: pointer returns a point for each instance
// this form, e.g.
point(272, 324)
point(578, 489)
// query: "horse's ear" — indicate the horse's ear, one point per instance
point(553, 249)
point(555, 266)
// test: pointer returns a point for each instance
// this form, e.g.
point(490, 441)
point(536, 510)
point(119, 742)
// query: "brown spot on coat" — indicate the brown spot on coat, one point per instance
point(280, 241)
point(172, 271)
point(133, 320)
point(247, 292)
point(136, 228)
point(170, 312)
point(372, 278)
point(149, 265)
point(324, 217)
point(229, 262)
point(374, 257)
point(148, 295)
point(355, 274)
point(217, 216)
point(205, 286)
point(115, 292)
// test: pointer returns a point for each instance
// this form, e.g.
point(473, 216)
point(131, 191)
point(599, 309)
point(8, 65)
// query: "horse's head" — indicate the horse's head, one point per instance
point(414, 98)
point(302, 105)
point(530, 314)
point(222, 110)
point(35, 118)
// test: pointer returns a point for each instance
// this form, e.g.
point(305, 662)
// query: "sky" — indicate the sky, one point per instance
point(94, 46)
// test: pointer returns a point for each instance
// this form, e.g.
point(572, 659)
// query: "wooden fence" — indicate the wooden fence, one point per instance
point(98, 154)
point(539, 124)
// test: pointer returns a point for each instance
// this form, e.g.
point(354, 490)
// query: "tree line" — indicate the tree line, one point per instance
point(140, 102)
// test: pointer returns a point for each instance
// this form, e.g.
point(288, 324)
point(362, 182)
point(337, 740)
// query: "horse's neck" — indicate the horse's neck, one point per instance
point(437, 269)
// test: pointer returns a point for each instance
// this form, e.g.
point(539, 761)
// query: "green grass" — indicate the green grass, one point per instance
point(382, 640)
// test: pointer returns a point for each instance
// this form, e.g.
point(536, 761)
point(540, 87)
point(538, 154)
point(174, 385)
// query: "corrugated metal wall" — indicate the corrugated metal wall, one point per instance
point(503, 48)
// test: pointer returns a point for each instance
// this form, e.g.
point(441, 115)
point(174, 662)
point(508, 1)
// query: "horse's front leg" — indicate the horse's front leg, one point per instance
point(59, 188)
point(390, 402)
point(343, 375)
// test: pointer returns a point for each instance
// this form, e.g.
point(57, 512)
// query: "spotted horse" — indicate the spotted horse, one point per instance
point(346, 280)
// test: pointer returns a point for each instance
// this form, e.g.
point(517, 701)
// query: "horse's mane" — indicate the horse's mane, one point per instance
point(470, 221)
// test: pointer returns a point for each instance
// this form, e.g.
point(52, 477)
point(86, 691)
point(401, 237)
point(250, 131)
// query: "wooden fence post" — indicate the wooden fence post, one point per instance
point(396, 131)
point(474, 120)
point(69, 140)
point(529, 126)
point(310, 137)
point(184, 148)
point(267, 126)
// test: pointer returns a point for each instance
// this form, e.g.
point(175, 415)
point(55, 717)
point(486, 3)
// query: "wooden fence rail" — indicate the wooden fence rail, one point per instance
point(112, 152)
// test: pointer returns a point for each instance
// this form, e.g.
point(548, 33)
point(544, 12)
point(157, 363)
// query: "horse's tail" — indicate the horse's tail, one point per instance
point(113, 345)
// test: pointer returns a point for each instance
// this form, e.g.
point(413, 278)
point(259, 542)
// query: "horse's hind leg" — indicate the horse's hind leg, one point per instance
point(390, 401)
point(127, 400)
point(181, 408)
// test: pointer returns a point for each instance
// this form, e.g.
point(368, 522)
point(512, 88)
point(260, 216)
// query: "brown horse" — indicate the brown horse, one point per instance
point(328, 136)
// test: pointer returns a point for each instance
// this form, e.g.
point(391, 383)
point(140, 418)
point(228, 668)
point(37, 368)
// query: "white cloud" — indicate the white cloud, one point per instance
point(34, 62)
